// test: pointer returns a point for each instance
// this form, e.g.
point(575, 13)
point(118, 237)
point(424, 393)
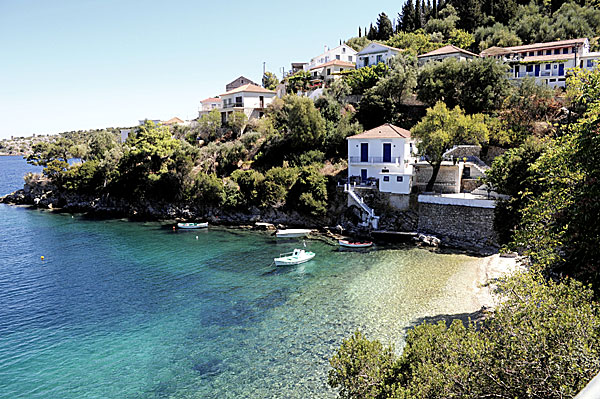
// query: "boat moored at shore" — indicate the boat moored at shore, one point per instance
point(192, 225)
point(292, 233)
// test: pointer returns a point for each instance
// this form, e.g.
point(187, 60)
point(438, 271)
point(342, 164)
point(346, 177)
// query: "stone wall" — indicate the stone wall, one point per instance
point(465, 227)
point(447, 180)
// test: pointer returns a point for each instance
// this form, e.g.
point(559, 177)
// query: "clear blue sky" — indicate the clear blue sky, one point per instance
point(82, 64)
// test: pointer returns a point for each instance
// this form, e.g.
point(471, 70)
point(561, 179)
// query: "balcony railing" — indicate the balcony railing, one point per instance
point(539, 74)
point(375, 160)
point(232, 105)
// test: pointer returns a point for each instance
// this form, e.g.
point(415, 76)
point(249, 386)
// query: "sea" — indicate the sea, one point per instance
point(114, 308)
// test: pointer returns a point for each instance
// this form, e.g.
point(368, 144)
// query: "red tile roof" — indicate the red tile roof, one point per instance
point(449, 49)
point(547, 58)
point(386, 131)
point(211, 100)
point(558, 43)
point(248, 88)
point(335, 62)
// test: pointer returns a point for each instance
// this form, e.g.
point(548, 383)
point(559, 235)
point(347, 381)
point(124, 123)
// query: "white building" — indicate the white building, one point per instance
point(330, 70)
point(341, 53)
point(548, 62)
point(375, 53)
point(249, 99)
point(448, 51)
point(384, 155)
point(208, 104)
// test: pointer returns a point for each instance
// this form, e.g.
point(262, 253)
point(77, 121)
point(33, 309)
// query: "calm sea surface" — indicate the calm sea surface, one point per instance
point(122, 309)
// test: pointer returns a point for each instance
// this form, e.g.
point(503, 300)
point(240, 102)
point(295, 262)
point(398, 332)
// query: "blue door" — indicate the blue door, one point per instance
point(364, 152)
point(537, 70)
point(561, 69)
point(363, 175)
point(387, 152)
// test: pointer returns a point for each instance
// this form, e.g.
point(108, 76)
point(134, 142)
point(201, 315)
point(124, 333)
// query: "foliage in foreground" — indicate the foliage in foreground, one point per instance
point(541, 343)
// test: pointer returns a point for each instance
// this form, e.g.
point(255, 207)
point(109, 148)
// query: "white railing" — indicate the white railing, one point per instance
point(372, 219)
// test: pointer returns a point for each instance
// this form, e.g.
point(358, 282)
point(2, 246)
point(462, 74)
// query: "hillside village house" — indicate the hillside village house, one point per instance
point(249, 99)
point(340, 53)
point(375, 53)
point(241, 81)
point(548, 62)
point(384, 155)
point(449, 51)
point(329, 71)
point(208, 104)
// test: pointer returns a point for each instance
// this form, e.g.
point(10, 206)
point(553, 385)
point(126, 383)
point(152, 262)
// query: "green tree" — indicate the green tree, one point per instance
point(477, 86)
point(208, 190)
point(210, 125)
point(384, 27)
point(531, 25)
point(443, 128)
point(407, 17)
point(362, 79)
point(237, 121)
point(249, 182)
point(270, 81)
point(276, 186)
point(309, 193)
point(358, 43)
point(496, 35)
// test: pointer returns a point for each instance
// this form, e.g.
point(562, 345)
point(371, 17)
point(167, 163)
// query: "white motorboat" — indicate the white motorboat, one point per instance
point(292, 233)
point(294, 258)
point(192, 225)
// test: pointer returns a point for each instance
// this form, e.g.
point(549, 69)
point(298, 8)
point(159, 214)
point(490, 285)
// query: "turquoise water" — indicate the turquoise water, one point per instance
point(134, 310)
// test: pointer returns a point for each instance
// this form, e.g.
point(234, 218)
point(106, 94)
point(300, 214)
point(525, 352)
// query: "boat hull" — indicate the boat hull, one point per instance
point(348, 244)
point(190, 226)
point(293, 259)
point(292, 233)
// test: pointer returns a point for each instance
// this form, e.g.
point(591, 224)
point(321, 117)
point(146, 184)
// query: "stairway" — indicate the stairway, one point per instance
point(368, 214)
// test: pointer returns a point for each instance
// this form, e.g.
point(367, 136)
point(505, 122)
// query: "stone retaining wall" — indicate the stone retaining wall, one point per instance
point(466, 227)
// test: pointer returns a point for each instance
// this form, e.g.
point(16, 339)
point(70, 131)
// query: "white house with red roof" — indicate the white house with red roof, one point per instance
point(249, 99)
point(374, 53)
point(384, 155)
point(208, 104)
point(449, 51)
point(547, 62)
point(330, 71)
point(343, 53)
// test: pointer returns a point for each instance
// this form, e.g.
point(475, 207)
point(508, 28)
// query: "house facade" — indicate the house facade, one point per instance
point(375, 53)
point(329, 71)
point(343, 53)
point(249, 99)
point(241, 81)
point(548, 63)
point(448, 51)
point(384, 155)
point(208, 104)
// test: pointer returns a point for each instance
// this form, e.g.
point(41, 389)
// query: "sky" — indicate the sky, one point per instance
point(88, 64)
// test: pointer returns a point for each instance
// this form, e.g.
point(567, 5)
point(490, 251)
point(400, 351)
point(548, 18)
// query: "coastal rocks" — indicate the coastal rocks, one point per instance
point(427, 240)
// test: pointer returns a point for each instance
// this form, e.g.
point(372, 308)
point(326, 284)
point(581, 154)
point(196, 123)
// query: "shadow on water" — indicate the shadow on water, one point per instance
point(478, 317)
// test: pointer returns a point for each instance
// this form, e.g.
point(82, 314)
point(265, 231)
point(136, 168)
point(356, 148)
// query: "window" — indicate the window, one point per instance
point(343, 51)
point(328, 71)
point(399, 179)
point(386, 178)
point(557, 51)
point(589, 63)
point(314, 74)
point(573, 49)
point(379, 57)
point(350, 58)
point(566, 50)
point(337, 57)
point(540, 52)
point(548, 66)
point(529, 68)
point(548, 52)
point(531, 53)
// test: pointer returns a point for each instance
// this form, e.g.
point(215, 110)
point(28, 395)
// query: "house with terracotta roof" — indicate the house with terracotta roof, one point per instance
point(383, 156)
point(249, 99)
point(548, 63)
point(449, 51)
point(330, 71)
point(208, 104)
point(374, 53)
point(342, 52)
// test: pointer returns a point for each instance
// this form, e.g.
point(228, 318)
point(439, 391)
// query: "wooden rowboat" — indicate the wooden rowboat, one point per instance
point(192, 225)
point(350, 244)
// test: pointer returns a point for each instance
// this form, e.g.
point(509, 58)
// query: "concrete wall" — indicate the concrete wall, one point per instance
point(459, 226)
point(447, 181)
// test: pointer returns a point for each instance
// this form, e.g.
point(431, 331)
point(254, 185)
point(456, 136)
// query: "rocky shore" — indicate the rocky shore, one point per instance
point(340, 219)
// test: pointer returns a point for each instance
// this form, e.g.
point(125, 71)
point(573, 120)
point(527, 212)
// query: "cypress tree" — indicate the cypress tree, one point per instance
point(408, 17)
point(435, 10)
point(418, 18)
point(384, 27)
point(359, 32)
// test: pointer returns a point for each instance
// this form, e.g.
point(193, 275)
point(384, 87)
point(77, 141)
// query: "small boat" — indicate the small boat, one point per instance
point(294, 258)
point(292, 233)
point(350, 244)
point(192, 225)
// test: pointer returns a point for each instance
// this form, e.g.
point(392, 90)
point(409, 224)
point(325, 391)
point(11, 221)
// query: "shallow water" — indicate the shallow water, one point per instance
point(119, 309)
